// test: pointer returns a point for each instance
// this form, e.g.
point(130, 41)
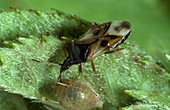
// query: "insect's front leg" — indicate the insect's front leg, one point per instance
point(59, 78)
point(79, 73)
point(113, 51)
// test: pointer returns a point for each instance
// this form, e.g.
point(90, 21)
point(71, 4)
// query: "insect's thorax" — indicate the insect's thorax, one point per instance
point(77, 55)
point(79, 52)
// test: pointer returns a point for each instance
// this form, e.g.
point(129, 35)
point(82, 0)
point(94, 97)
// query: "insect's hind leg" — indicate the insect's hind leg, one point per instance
point(113, 51)
point(92, 64)
point(93, 67)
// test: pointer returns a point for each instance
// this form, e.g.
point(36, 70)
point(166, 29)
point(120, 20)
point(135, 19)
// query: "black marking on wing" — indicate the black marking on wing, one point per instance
point(112, 36)
point(125, 24)
point(104, 43)
point(96, 32)
point(106, 28)
point(124, 38)
point(127, 35)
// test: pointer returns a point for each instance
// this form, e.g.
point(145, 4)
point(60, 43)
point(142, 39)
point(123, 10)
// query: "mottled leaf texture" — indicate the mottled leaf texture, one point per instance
point(27, 35)
point(158, 99)
point(21, 22)
point(141, 107)
point(11, 101)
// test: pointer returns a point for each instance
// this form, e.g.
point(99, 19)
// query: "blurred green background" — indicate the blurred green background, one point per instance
point(150, 19)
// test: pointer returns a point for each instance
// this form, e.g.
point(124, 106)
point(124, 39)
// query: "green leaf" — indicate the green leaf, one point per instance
point(21, 22)
point(11, 102)
point(141, 107)
point(162, 100)
point(20, 72)
point(126, 69)
point(16, 102)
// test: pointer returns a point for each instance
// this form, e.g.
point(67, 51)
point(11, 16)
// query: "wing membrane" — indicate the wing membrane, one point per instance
point(99, 47)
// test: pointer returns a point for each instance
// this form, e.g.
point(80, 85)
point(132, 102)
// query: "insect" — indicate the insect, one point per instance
point(77, 96)
point(101, 38)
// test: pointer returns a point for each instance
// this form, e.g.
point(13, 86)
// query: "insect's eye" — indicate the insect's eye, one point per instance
point(96, 32)
point(104, 43)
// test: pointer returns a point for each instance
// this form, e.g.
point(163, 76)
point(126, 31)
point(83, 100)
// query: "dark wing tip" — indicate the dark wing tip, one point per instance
point(126, 24)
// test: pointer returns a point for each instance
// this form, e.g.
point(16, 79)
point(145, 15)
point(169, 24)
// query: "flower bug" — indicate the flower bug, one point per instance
point(77, 96)
point(101, 38)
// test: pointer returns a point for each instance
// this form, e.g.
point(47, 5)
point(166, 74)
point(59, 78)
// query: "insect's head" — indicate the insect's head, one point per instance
point(65, 65)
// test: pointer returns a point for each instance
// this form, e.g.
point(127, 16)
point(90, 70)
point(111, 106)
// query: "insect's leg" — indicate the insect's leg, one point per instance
point(85, 77)
point(55, 87)
point(79, 73)
point(113, 51)
point(93, 67)
point(59, 78)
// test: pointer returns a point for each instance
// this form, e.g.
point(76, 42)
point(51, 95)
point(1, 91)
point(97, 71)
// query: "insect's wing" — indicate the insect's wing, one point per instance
point(115, 35)
point(93, 34)
point(120, 28)
point(87, 38)
point(103, 45)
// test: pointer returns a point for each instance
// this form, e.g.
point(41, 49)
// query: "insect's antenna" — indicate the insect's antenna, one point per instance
point(51, 64)
point(45, 62)
point(59, 77)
